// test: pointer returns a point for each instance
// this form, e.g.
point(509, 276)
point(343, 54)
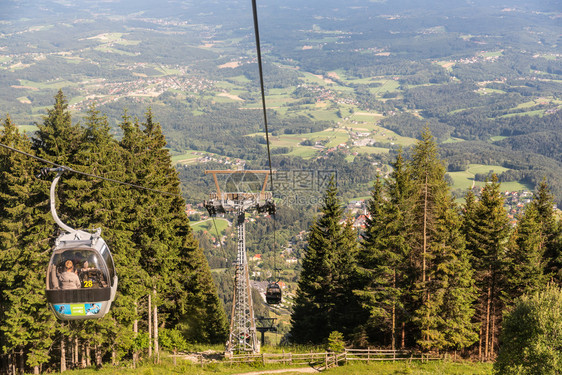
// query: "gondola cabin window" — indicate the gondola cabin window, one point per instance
point(75, 269)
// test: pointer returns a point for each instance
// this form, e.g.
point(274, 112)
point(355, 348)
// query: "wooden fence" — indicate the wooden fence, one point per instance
point(330, 359)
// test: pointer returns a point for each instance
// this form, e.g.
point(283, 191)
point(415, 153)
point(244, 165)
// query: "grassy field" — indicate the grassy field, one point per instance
point(186, 157)
point(27, 128)
point(207, 225)
point(465, 179)
point(414, 368)
point(379, 368)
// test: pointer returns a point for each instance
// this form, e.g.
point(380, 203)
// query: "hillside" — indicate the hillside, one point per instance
point(365, 77)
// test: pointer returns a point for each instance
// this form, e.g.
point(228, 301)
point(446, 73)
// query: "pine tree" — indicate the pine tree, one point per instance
point(453, 290)
point(171, 257)
point(524, 261)
point(486, 229)
point(318, 288)
point(376, 274)
point(383, 254)
point(347, 313)
point(104, 204)
point(543, 203)
point(57, 138)
point(443, 290)
point(26, 325)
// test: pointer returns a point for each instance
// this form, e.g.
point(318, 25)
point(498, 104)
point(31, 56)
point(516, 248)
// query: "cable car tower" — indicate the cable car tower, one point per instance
point(243, 335)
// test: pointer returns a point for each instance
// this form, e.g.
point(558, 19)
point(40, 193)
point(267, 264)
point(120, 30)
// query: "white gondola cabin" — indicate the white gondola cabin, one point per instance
point(81, 278)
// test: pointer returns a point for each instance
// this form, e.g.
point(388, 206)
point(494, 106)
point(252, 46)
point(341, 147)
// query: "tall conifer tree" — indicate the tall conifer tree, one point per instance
point(321, 284)
point(26, 325)
point(524, 261)
point(486, 228)
point(383, 256)
point(551, 239)
point(443, 290)
point(171, 257)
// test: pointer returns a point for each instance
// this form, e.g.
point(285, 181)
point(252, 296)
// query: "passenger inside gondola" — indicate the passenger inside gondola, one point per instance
point(69, 279)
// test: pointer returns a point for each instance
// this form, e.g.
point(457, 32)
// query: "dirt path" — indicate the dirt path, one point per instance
point(302, 370)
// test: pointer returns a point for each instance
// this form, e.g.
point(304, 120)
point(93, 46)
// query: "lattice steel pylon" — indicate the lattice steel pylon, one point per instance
point(243, 335)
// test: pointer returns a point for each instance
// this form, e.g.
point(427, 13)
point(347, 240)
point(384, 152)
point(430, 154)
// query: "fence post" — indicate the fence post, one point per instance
point(326, 360)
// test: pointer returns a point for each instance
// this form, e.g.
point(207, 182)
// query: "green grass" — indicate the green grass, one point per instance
point(453, 140)
point(239, 80)
point(465, 179)
point(167, 71)
point(28, 128)
point(414, 368)
point(487, 90)
point(480, 168)
point(380, 368)
point(324, 115)
point(305, 152)
point(387, 85)
point(207, 225)
point(366, 116)
point(293, 140)
point(53, 85)
point(492, 54)
point(311, 78)
point(104, 48)
point(189, 155)
point(538, 112)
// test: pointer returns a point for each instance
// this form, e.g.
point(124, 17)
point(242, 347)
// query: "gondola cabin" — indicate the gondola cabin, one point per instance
point(81, 278)
point(273, 294)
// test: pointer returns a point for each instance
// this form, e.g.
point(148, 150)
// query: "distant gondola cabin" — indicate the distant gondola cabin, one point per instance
point(273, 294)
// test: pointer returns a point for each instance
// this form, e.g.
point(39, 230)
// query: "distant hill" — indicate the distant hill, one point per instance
point(470, 71)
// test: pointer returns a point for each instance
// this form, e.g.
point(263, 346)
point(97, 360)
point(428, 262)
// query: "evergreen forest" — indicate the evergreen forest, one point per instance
point(425, 272)
point(166, 295)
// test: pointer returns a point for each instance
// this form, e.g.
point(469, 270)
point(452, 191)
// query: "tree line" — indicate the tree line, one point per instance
point(165, 284)
point(425, 272)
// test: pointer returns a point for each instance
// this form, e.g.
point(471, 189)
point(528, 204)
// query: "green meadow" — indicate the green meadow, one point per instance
point(208, 225)
point(465, 179)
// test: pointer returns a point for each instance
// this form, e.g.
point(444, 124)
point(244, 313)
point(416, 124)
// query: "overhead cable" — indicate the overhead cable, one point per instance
point(68, 169)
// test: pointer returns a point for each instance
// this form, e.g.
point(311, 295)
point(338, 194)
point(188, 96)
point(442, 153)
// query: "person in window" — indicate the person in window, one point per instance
point(69, 279)
point(89, 263)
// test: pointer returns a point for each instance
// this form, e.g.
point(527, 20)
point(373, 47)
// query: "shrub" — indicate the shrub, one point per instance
point(335, 342)
point(531, 339)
